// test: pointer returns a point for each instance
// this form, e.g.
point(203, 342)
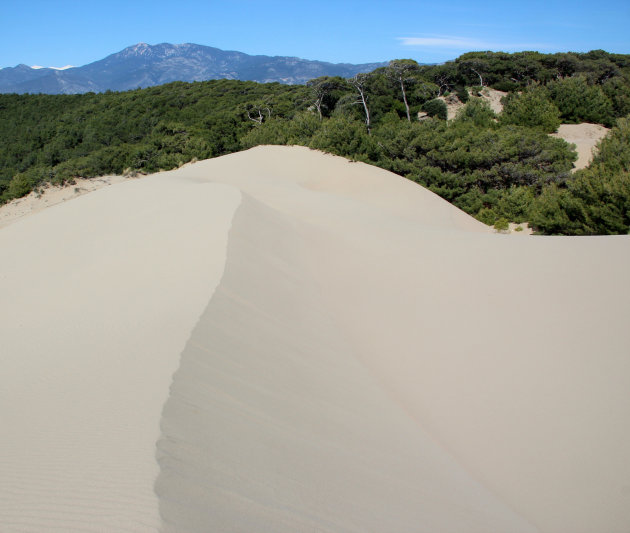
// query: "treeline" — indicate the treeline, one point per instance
point(493, 167)
point(577, 83)
point(54, 138)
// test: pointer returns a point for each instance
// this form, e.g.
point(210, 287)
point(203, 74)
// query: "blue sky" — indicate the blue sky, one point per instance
point(61, 32)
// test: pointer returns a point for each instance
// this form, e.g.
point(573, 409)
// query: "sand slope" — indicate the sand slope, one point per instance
point(372, 359)
point(50, 195)
point(275, 423)
point(99, 296)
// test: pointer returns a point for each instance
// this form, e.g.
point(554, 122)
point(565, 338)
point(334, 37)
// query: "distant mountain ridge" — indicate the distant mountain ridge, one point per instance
point(144, 65)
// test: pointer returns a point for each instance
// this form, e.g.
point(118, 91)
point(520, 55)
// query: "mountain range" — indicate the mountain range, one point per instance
point(143, 65)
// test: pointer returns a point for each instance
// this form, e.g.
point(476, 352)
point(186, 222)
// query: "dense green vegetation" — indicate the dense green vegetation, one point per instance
point(58, 137)
point(494, 167)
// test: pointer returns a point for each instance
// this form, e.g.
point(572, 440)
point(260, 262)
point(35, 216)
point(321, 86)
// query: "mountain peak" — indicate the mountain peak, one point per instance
point(145, 65)
point(139, 49)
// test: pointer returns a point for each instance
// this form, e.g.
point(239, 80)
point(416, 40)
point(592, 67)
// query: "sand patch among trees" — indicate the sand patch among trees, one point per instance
point(585, 138)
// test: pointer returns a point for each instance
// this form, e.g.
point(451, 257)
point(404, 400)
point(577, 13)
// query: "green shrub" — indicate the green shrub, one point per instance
point(274, 131)
point(549, 212)
point(23, 183)
point(487, 216)
point(531, 108)
point(514, 203)
point(462, 94)
point(19, 186)
point(478, 112)
point(502, 224)
point(346, 137)
point(506, 86)
point(436, 108)
point(578, 101)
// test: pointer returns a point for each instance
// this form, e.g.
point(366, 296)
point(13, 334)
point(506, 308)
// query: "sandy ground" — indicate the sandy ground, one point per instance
point(50, 195)
point(361, 365)
point(585, 138)
point(453, 105)
point(520, 229)
point(493, 97)
point(99, 296)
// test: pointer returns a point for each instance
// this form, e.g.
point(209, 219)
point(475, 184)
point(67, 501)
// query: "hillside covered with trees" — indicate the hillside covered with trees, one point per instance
point(492, 166)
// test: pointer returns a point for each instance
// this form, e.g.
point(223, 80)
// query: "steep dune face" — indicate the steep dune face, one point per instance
point(372, 359)
point(275, 423)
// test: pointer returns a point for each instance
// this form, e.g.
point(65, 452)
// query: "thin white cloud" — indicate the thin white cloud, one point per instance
point(443, 42)
point(466, 43)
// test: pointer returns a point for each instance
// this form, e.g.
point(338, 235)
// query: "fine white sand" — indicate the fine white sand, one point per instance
point(493, 97)
point(49, 195)
point(99, 296)
point(372, 359)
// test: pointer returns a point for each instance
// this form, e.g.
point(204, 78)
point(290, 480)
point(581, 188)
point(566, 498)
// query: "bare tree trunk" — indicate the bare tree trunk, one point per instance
point(480, 78)
point(402, 71)
point(359, 84)
point(443, 85)
point(258, 109)
point(318, 106)
point(365, 107)
point(322, 87)
point(402, 86)
point(257, 119)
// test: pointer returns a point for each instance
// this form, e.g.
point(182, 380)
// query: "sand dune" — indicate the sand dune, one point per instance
point(357, 355)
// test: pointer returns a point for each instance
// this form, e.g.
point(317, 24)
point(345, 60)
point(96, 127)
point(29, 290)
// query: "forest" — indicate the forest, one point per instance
point(497, 168)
